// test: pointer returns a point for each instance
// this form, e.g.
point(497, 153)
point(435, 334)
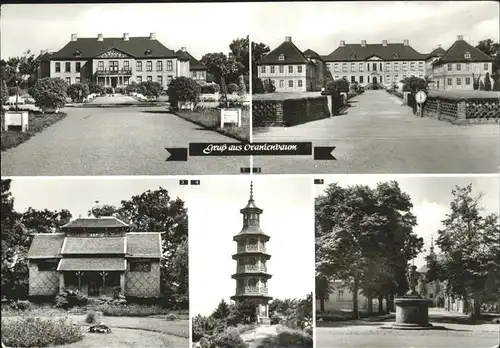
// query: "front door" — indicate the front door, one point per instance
point(93, 288)
point(374, 80)
point(114, 82)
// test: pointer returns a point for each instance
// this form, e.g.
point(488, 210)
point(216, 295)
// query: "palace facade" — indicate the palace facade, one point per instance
point(95, 256)
point(116, 62)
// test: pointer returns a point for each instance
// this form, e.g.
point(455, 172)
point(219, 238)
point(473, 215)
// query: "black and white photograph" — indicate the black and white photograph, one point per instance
point(107, 89)
point(406, 261)
point(395, 87)
point(95, 262)
point(251, 261)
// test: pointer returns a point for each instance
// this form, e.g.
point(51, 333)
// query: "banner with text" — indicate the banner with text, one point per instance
point(250, 149)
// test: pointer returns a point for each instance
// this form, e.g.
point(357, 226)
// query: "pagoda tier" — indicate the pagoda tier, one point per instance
point(251, 271)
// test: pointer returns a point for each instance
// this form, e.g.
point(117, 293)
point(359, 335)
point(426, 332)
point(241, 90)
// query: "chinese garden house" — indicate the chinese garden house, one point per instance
point(95, 256)
point(251, 272)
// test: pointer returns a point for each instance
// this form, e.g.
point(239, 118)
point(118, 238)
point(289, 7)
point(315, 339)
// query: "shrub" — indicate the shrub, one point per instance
point(288, 338)
point(413, 84)
point(269, 87)
point(78, 91)
point(132, 87)
point(496, 82)
point(257, 86)
point(31, 332)
point(12, 91)
point(481, 85)
point(116, 292)
point(232, 88)
point(171, 317)
point(230, 338)
point(70, 298)
point(210, 89)
point(342, 85)
point(21, 305)
point(182, 89)
point(95, 88)
point(150, 89)
point(114, 310)
point(49, 93)
point(5, 92)
point(91, 317)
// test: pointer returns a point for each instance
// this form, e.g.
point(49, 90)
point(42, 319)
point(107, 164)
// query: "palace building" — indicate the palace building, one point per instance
point(291, 70)
point(95, 256)
point(116, 62)
point(251, 271)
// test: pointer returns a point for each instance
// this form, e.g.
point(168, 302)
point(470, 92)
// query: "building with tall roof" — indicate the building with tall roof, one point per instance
point(251, 256)
point(197, 70)
point(95, 256)
point(291, 70)
point(118, 61)
point(460, 65)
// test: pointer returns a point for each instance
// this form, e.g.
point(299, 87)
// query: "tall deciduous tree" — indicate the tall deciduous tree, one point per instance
point(221, 67)
point(492, 49)
point(487, 82)
point(259, 50)
point(240, 52)
point(470, 245)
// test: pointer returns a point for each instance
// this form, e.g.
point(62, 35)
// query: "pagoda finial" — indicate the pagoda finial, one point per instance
point(251, 190)
point(432, 245)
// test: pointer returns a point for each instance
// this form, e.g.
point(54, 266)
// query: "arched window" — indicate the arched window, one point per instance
point(353, 56)
point(395, 56)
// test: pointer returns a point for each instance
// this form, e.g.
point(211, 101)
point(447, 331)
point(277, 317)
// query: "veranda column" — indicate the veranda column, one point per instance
point(61, 282)
point(122, 282)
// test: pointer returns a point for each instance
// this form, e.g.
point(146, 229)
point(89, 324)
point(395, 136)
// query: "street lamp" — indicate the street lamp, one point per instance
point(19, 78)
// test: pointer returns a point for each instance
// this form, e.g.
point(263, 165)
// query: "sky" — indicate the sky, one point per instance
point(200, 27)
point(215, 218)
point(431, 197)
point(80, 195)
point(321, 26)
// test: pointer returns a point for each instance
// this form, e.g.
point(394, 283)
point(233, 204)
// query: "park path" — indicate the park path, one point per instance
point(255, 336)
point(116, 141)
point(378, 135)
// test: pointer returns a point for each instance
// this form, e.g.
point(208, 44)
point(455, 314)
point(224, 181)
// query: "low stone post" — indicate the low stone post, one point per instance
point(279, 112)
point(122, 282)
point(461, 110)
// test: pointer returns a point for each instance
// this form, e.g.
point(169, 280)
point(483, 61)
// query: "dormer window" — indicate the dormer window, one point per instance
point(467, 55)
point(149, 51)
point(78, 53)
point(353, 55)
point(281, 57)
point(395, 56)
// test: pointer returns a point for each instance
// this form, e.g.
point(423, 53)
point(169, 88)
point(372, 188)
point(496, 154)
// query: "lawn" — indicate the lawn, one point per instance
point(37, 122)
point(210, 118)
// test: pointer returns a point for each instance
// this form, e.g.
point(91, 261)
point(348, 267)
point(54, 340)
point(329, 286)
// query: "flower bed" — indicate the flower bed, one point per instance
point(129, 310)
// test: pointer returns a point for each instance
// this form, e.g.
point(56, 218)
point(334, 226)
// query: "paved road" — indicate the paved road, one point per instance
point(116, 141)
point(378, 135)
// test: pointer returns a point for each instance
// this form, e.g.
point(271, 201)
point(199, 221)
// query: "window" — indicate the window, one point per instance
point(368, 78)
point(353, 66)
point(126, 65)
point(395, 56)
point(405, 66)
point(353, 78)
point(467, 66)
point(282, 69)
point(459, 81)
point(169, 78)
point(149, 65)
point(374, 66)
point(58, 67)
point(459, 67)
point(290, 69)
point(396, 66)
point(450, 67)
point(159, 65)
point(299, 83)
point(485, 66)
point(68, 80)
point(100, 65)
point(67, 67)
point(113, 65)
point(467, 55)
point(125, 81)
point(387, 78)
point(140, 266)
point(290, 83)
point(361, 66)
point(344, 67)
point(361, 79)
point(336, 67)
point(340, 295)
point(263, 69)
point(47, 266)
point(282, 83)
point(388, 66)
point(467, 81)
point(149, 78)
point(272, 69)
point(380, 79)
point(139, 66)
point(281, 57)
point(139, 79)
point(77, 80)
point(169, 65)
point(160, 79)
point(299, 69)
point(450, 83)
point(78, 66)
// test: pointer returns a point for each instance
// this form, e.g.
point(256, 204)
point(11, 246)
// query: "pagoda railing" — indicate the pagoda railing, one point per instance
point(252, 248)
point(251, 290)
point(251, 268)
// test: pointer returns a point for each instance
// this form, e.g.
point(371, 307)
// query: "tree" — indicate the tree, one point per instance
point(492, 49)
point(232, 87)
point(475, 81)
point(487, 82)
point(413, 84)
point(150, 89)
point(27, 63)
point(269, 86)
point(50, 93)
point(470, 245)
point(259, 50)
point(239, 51)
point(95, 88)
point(4, 92)
point(258, 86)
point(242, 89)
point(78, 92)
point(496, 82)
point(182, 89)
point(222, 311)
point(481, 85)
point(221, 67)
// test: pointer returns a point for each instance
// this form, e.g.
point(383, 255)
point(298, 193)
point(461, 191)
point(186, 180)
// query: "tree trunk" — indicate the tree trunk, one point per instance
point(355, 312)
point(390, 303)
point(322, 303)
point(380, 304)
point(465, 304)
point(370, 304)
point(476, 311)
point(387, 300)
point(224, 90)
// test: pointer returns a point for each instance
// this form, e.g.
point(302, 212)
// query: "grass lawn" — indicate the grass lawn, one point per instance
point(210, 118)
point(37, 123)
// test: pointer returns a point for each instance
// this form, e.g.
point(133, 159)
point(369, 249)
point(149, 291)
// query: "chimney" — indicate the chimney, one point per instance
point(152, 36)
point(439, 45)
point(460, 37)
point(406, 42)
point(363, 43)
point(126, 36)
point(384, 42)
point(183, 49)
point(288, 39)
point(73, 37)
point(99, 37)
point(342, 43)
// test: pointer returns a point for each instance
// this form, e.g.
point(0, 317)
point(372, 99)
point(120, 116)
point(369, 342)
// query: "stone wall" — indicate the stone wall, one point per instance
point(42, 283)
point(143, 284)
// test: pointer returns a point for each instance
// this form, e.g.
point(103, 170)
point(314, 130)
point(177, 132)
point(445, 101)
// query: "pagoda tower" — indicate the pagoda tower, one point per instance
point(251, 271)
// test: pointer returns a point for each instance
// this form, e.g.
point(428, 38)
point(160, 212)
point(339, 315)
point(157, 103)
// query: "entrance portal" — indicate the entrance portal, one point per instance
point(375, 82)
point(114, 82)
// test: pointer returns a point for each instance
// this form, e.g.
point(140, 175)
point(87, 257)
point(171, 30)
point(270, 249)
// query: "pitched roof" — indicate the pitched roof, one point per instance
point(46, 245)
point(358, 52)
point(90, 222)
point(194, 64)
point(135, 47)
point(92, 264)
point(144, 244)
point(312, 54)
point(456, 54)
point(93, 245)
point(437, 52)
point(292, 55)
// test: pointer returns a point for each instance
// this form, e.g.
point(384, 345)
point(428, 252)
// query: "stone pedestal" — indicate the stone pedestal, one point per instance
point(412, 311)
